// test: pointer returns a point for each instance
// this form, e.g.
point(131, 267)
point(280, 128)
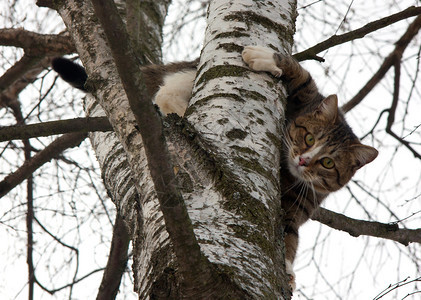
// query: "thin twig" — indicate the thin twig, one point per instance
point(392, 111)
point(401, 45)
point(335, 40)
point(51, 151)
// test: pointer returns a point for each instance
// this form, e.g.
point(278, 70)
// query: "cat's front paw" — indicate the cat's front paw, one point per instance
point(261, 59)
point(291, 275)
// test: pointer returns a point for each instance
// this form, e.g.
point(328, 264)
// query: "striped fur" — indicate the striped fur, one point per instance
point(321, 152)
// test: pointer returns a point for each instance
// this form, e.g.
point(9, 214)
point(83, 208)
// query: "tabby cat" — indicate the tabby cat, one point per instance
point(321, 152)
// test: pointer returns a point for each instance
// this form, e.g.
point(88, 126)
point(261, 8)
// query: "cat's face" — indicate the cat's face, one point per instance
point(322, 151)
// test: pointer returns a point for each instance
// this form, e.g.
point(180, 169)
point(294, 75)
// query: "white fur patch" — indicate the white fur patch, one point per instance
point(261, 59)
point(174, 95)
point(291, 274)
point(294, 167)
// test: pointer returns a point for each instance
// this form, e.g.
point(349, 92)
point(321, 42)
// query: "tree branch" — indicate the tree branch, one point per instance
point(356, 228)
point(55, 148)
point(37, 44)
point(82, 125)
point(25, 64)
point(30, 213)
point(36, 47)
point(394, 106)
point(75, 281)
point(389, 61)
point(335, 40)
point(117, 261)
point(18, 77)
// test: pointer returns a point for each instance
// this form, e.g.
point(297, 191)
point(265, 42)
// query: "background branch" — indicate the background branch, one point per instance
point(24, 73)
point(356, 227)
point(19, 69)
point(117, 261)
point(389, 61)
point(37, 44)
point(82, 125)
point(311, 53)
point(30, 166)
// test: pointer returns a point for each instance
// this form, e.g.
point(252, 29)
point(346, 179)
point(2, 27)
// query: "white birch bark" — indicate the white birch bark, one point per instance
point(229, 170)
point(137, 203)
point(238, 115)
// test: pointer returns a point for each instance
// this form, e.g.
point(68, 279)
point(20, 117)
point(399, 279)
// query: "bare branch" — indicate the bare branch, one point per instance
point(401, 45)
point(397, 285)
point(19, 69)
point(51, 151)
point(392, 111)
point(359, 227)
point(37, 44)
point(18, 77)
point(29, 222)
point(117, 261)
point(82, 125)
point(335, 40)
point(75, 281)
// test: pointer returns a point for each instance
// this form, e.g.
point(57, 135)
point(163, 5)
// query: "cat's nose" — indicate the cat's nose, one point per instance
point(303, 161)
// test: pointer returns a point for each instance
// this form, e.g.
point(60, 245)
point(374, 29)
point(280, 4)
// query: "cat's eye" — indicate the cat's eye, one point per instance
point(327, 162)
point(309, 139)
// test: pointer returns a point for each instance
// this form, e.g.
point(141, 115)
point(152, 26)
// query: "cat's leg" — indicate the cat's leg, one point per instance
point(291, 244)
point(174, 94)
point(290, 272)
point(300, 85)
point(265, 59)
point(261, 59)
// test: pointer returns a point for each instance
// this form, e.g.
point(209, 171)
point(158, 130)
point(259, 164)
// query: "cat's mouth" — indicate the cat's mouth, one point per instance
point(300, 171)
point(298, 168)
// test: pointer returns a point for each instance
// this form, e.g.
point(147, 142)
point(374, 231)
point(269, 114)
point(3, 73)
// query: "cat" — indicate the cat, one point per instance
point(320, 153)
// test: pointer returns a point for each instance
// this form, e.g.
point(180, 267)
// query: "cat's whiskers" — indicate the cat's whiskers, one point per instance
point(293, 186)
point(302, 195)
point(320, 183)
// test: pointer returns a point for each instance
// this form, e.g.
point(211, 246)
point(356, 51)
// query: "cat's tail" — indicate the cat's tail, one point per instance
point(70, 72)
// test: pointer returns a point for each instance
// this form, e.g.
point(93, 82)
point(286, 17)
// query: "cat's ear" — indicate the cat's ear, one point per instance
point(328, 109)
point(363, 154)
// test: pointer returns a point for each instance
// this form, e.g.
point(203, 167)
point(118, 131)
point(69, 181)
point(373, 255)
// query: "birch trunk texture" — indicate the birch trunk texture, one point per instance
point(238, 117)
point(225, 153)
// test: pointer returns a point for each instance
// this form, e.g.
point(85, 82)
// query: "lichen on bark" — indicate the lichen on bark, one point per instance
point(243, 139)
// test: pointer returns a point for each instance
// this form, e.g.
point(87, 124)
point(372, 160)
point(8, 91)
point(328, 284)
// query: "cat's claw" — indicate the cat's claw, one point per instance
point(291, 275)
point(261, 59)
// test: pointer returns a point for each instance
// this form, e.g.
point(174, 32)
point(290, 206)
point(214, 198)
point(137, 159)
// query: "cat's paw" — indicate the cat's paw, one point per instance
point(291, 275)
point(261, 59)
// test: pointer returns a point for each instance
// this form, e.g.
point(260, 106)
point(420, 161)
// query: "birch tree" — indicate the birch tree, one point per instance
point(231, 165)
point(198, 197)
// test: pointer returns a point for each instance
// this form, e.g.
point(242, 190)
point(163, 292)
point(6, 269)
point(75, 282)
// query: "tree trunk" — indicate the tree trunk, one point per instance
point(226, 153)
point(237, 116)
